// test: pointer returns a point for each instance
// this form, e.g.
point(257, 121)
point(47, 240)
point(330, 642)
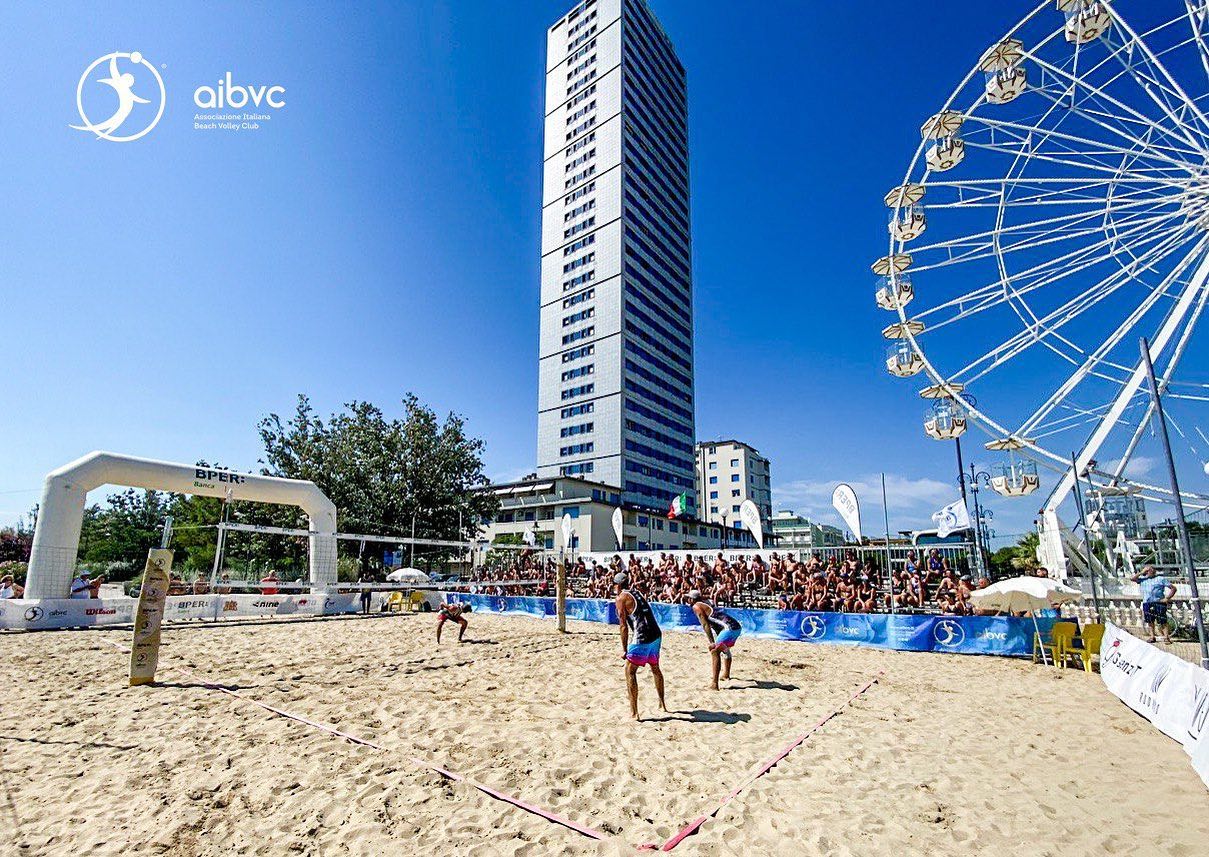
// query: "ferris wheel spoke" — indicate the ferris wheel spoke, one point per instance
point(1001, 290)
point(1073, 224)
point(1100, 353)
point(1198, 22)
point(1172, 86)
point(1026, 133)
point(1098, 91)
point(989, 193)
point(988, 250)
point(1042, 330)
point(1026, 149)
point(1143, 134)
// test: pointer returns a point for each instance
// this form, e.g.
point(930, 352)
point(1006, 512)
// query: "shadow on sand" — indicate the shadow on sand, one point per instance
point(698, 715)
point(759, 684)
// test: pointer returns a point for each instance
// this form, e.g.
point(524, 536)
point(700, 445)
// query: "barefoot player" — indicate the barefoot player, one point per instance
point(453, 613)
point(721, 629)
point(635, 617)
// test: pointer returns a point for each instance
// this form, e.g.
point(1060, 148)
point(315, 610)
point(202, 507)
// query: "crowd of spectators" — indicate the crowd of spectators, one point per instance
point(847, 584)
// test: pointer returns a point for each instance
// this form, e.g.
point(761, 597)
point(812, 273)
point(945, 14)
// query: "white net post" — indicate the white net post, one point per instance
point(323, 566)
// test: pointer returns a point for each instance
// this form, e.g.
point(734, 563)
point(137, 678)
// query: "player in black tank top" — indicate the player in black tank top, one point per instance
point(640, 640)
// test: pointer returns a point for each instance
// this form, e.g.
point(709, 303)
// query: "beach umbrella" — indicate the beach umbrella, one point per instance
point(1018, 594)
point(410, 574)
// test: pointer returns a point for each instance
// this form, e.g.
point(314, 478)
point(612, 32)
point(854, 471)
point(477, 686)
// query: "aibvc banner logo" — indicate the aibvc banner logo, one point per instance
point(125, 103)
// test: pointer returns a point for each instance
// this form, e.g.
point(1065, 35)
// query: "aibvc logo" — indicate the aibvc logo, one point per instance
point(129, 77)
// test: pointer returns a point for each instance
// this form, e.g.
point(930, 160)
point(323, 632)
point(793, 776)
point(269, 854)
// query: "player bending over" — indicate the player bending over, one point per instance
point(453, 612)
point(636, 618)
point(721, 629)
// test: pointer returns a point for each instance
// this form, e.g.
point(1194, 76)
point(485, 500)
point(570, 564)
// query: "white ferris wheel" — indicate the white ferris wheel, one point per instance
point(1057, 210)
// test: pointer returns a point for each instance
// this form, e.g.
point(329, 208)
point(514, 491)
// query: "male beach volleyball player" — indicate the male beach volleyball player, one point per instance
point(636, 618)
point(453, 613)
point(721, 629)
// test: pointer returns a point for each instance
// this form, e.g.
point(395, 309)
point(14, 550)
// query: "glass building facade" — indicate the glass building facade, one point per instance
point(615, 393)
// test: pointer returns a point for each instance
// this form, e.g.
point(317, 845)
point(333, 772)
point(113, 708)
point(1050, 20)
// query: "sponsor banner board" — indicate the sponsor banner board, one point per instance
point(1169, 692)
point(50, 613)
point(1008, 636)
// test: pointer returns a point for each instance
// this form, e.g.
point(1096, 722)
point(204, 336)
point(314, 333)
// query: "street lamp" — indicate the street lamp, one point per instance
point(971, 481)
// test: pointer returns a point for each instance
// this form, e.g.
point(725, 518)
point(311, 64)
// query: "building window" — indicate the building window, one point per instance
point(713, 495)
point(579, 245)
point(576, 353)
point(576, 335)
point(582, 390)
point(734, 462)
point(579, 227)
point(574, 469)
point(580, 428)
point(577, 317)
point(713, 465)
point(734, 477)
point(576, 410)
point(735, 493)
point(575, 449)
point(579, 298)
point(579, 372)
point(713, 480)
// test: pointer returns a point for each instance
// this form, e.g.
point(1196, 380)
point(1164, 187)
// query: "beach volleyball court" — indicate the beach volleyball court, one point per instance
point(944, 754)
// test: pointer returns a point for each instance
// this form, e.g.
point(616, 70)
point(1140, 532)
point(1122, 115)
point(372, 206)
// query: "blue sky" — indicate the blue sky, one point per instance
point(381, 233)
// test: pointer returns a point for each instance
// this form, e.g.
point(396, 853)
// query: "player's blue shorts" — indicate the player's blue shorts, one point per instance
point(643, 654)
point(727, 639)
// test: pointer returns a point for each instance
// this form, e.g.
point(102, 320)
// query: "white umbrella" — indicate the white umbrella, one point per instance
point(1018, 594)
point(412, 574)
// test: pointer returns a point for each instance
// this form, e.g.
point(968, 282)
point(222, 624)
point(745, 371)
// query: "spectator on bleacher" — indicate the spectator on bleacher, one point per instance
point(9, 588)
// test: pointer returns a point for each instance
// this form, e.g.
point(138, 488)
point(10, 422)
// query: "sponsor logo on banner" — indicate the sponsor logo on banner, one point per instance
point(100, 611)
point(813, 626)
point(229, 606)
point(1200, 711)
point(948, 632)
point(267, 602)
point(1117, 660)
point(56, 613)
point(33, 614)
point(191, 605)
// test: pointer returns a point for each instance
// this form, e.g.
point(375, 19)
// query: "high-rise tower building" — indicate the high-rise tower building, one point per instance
point(615, 394)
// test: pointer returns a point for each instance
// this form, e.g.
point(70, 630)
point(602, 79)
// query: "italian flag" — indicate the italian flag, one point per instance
point(679, 506)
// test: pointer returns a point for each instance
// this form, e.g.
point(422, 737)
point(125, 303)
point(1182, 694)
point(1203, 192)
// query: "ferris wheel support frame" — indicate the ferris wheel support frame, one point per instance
point(1052, 552)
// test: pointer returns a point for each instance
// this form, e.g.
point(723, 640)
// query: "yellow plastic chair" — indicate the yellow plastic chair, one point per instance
point(394, 602)
point(1091, 637)
point(415, 601)
point(1061, 638)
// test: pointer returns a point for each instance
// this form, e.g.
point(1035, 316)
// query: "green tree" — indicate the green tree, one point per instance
point(384, 473)
point(1016, 559)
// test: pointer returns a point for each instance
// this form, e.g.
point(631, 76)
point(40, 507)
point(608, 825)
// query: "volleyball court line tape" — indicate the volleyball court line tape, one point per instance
point(757, 772)
point(415, 760)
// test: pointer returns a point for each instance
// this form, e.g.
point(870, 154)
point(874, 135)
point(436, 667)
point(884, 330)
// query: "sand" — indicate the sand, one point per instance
point(947, 754)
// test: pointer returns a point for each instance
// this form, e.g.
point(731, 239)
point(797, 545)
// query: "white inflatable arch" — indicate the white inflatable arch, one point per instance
point(61, 513)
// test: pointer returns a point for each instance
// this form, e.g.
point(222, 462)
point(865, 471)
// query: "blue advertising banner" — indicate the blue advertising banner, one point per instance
point(966, 635)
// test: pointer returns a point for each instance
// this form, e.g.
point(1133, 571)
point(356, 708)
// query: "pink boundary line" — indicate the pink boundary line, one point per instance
point(451, 775)
point(760, 770)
